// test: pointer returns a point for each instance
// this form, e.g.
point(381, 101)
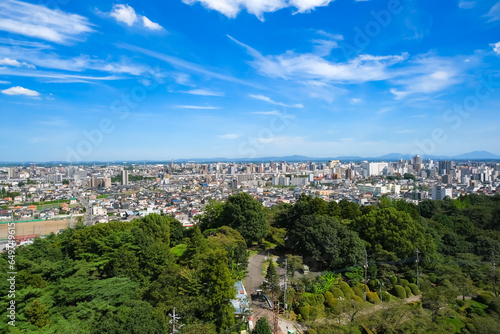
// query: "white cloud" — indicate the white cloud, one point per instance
point(229, 136)
point(126, 14)
point(40, 22)
point(406, 131)
point(20, 91)
point(307, 66)
point(196, 107)
point(54, 121)
point(15, 63)
point(268, 99)
point(55, 77)
point(150, 25)
point(192, 67)
point(430, 74)
point(356, 101)
point(11, 41)
point(273, 113)
point(231, 8)
point(203, 92)
point(44, 59)
point(494, 13)
point(10, 62)
point(4, 82)
point(496, 47)
point(464, 4)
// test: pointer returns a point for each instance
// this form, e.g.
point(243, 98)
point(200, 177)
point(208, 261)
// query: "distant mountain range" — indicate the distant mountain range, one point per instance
point(476, 155)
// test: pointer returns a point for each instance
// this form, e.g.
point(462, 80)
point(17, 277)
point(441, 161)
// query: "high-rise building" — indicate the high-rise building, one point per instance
point(349, 174)
point(445, 167)
point(440, 192)
point(124, 174)
point(11, 172)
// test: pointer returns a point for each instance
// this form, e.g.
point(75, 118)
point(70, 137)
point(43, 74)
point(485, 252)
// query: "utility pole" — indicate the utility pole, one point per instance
point(417, 260)
point(493, 267)
point(366, 273)
point(174, 319)
point(286, 278)
point(381, 284)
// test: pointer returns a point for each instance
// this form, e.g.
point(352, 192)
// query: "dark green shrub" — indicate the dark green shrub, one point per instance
point(312, 331)
point(484, 298)
point(476, 308)
point(320, 299)
point(460, 302)
point(373, 284)
point(359, 292)
point(393, 279)
point(313, 313)
point(337, 293)
point(304, 311)
point(432, 278)
point(386, 297)
point(414, 289)
point(310, 298)
point(408, 291)
point(346, 290)
point(399, 292)
point(404, 282)
point(330, 301)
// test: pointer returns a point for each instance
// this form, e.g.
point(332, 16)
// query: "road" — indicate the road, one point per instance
point(254, 278)
point(253, 282)
point(88, 209)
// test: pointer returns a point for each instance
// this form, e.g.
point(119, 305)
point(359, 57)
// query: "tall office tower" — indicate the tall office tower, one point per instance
point(11, 172)
point(445, 167)
point(349, 174)
point(416, 161)
point(124, 174)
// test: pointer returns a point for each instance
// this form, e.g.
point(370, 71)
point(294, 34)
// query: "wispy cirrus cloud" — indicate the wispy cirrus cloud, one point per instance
point(273, 113)
point(269, 100)
point(54, 122)
point(186, 65)
point(52, 25)
point(428, 74)
point(231, 8)
point(196, 107)
point(18, 90)
point(309, 66)
point(48, 76)
point(494, 13)
point(203, 92)
point(420, 74)
point(229, 136)
point(14, 63)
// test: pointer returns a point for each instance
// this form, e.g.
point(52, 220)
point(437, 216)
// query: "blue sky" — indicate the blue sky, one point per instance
point(95, 80)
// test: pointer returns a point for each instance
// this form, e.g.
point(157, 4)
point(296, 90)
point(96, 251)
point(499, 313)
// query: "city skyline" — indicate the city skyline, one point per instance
point(112, 81)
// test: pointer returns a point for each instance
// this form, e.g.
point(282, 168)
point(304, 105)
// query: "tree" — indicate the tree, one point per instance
point(324, 238)
point(218, 288)
point(294, 263)
point(241, 212)
point(394, 231)
point(272, 282)
point(262, 327)
point(38, 314)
